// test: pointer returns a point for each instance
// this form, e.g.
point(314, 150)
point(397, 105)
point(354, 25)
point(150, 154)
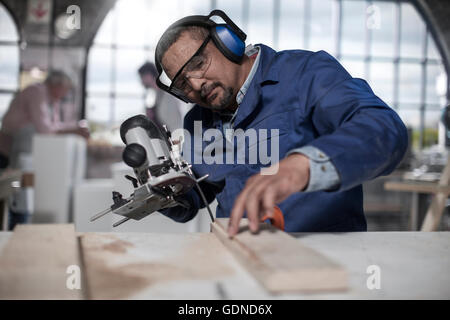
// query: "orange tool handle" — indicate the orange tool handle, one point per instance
point(277, 220)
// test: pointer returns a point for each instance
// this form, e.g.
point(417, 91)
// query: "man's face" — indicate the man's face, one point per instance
point(148, 81)
point(215, 88)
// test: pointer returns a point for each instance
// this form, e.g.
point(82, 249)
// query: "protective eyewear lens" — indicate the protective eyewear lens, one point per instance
point(195, 67)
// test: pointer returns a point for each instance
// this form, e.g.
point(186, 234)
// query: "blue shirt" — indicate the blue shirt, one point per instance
point(311, 101)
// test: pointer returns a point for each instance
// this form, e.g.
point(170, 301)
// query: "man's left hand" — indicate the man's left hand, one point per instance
point(262, 192)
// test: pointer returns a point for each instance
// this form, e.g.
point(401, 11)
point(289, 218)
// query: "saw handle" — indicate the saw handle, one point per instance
point(277, 220)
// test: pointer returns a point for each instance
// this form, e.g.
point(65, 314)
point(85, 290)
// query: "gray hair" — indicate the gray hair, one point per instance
point(58, 77)
point(172, 35)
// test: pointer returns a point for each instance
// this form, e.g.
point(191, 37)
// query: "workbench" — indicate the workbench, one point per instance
point(413, 265)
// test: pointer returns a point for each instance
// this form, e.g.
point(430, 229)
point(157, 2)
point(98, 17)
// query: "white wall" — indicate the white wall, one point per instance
point(59, 164)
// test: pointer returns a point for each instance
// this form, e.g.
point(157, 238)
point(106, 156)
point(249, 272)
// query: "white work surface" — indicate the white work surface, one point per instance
point(414, 265)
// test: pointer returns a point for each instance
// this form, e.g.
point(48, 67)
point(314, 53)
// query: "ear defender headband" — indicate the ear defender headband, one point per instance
point(228, 38)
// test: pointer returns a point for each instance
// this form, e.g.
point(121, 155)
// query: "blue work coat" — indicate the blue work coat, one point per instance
point(312, 100)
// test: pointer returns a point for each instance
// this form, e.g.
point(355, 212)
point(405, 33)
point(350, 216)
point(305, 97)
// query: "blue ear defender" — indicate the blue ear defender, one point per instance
point(228, 42)
point(227, 37)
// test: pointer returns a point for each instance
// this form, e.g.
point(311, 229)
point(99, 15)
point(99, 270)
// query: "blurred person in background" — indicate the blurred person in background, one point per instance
point(160, 107)
point(39, 108)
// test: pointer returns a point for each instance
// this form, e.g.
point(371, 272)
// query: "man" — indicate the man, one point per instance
point(39, 108)
point(334, 132)
point(160, 107)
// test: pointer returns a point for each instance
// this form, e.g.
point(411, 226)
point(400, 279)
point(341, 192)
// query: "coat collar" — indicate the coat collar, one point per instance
point(266, 74)
point(266, 71)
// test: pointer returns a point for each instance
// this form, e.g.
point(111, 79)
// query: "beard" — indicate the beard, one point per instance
point(223, 103)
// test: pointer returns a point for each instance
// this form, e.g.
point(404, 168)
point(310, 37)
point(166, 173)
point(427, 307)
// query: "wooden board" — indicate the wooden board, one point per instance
point(416, 186)
point(34, 263)
point(279, 262)
point(150, 265)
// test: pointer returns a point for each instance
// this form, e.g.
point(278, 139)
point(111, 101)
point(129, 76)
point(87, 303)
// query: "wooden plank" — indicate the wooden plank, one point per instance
point(422, 187)
point(34, 263)
point(150, 265)
point(279, 262)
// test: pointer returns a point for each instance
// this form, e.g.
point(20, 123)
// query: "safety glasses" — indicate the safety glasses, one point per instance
point(195, 67)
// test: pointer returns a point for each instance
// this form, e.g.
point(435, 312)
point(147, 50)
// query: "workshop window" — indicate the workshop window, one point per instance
point(386, 43)
point(9, 59)
point(125, 40)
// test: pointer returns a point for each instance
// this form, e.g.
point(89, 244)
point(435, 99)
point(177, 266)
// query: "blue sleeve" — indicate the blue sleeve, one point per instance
point(322, 173)
point(362, 136)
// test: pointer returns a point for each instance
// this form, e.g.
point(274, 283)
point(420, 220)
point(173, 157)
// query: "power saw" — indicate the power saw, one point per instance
point(162, 176)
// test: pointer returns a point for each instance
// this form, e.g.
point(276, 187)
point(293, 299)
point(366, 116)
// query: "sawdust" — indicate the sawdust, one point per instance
point(207, 255)
point(121, 282)
point(201, 259)
point(106, 242)
point(118, 246)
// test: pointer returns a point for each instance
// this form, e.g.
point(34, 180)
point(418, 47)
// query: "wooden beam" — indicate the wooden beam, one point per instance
point(279, 262)
point(417, 186)
point(34, 263)
point(137, 265)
